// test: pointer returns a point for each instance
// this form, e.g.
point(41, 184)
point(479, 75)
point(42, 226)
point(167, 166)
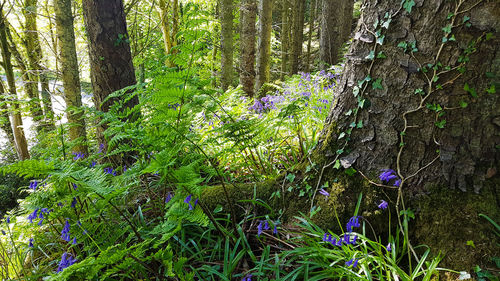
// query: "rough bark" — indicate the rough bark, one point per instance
point(226, 18)
point(70, 75)
point(449, 174)
point(312, 16)
point(36, 70)
point(297, 35)
point(17, 124)
point(248, 14)
point(5, 123)
point(264, 44)
point(332, 34)
point(110, 57)
point(347, 19)
point(285, 37)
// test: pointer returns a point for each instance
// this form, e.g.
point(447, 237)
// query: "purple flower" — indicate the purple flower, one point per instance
point(101, 148)
point(388, 248)
point(324, 192)
point(266, 225)
point(92, 165)
point(73, 203)
point(247, 278)
point(259, 229)
point(78, 155)
point(169, 197)
point(383, 205)
point(387, 175)
point(65, 232)
point(31, 243)
point(34, 185)
point(397, 183)
point(33, 215)
point(110, 171)
point(74, 241)
point(353, 222)
point(188, 198)
point(275, 229)
point(7, 219)
point(66, 261)
point(75, 187)
point(3, 232)
point(353, 262)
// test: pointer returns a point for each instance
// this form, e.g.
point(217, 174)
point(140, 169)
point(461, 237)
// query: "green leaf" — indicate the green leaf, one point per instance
point(377, 84)
point(341, 135)
point(471, 243)
point(351, 171)
point(463, 104)
point(440, 124)
point(381, 55)
point(444, 39)
point(371, 55)
point(352, 125)
point(470, 90)
point(355, 91)
point(348, 113)
point(450, 15)
point(452, 38)
point(491, 90)
point(290, 177)
point(380, 40)
point(386, 23)
point(419, 91)
point(489, 35)
point(360, 124)
point(466, 18)
point(447, 29)
point(408, 5)
point(337, 164)
point(403, 45)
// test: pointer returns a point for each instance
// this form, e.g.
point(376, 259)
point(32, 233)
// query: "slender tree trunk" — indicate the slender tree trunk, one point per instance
point(297, 35)
point(5, 123)
point(17, 122)
point(285, 37)
point(264, 53)
point(35, 58)
point(70, 75)
point(110, 57)
point(226, 9)
point(312, 15)
point(248, 14)
point(332, 20)
point(419, 95)
point(169, 32)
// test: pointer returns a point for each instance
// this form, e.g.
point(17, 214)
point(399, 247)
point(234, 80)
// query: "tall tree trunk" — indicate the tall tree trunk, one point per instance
point(17, 122)
point(285, 37)
point(332, 31)
point(297, 35)
point(423, 101)
point(312, 15)
point(248, 14)
point(5, 123)
point(264, 53)
point(70, 75)
point(169, 32)
point(111, 67)
point(38, 75)
point(226, 18)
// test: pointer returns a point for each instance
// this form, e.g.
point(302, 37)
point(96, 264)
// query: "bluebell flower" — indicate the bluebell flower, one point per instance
point(169, 197)
point(65, 235)
point(247, 278)
point(188, 198)
point(92, 165)
point(110, 171)
point(266, 225)
point(33, 215)
point(66, 261)
point(3, 232)
point(353, 262)
point(34, 185)
point(78, 155)
point(259, 229)
point(387, 175)
point(275, 229)
point(353, 242)
point(7, 219)
point(397, 183)
point(324, 192)
point(383, 205)
point(353, 222)
point(31, 243)
point(75, 187)
point(388, 248)
point(101, 148)
point(74, 241)
point(73, 203)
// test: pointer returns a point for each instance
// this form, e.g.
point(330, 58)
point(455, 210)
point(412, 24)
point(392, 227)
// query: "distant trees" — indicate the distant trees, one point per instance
point(169, 26)
point(264, 43)
point(70, 74)
point(336, 20)
point(226, 19)
point(248, 14)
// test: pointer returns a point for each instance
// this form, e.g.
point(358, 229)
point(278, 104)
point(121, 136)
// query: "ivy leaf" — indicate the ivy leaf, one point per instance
point(348, 113)
point(380, 40)
point(386, 23)
point(377, 84)
point(489, 35)
point(492, 89)
point(447, 29)
point(381, 55)
point(351, 171)
point(408, 5)
point(463, 104)
point(341, 135)
point(470, 90)
point(371, 55)
point(466, 18)
point(419, 91)
point(337, 164)
point(355, 91)
point(440, 124)
point(360, 124)
point(290, 177)
point(471, 243)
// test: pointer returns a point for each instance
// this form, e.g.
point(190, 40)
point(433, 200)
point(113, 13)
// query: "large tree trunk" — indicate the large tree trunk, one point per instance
point(110, 57)
point(226, 18)
point(5, 123)
point(297, 35)
point(70, 75)
point(418, 96)
point(347, 19)
point(264, 45)
point(37, 72)
point(312, 16)
point(248, 13)
point(17, 123)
